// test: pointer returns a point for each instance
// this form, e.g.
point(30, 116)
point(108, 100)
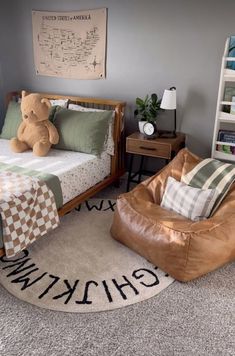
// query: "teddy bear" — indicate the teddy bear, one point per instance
point(35, 130)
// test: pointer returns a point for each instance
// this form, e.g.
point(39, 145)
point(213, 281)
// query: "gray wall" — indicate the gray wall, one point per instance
point(9, 73)
point(151, 45)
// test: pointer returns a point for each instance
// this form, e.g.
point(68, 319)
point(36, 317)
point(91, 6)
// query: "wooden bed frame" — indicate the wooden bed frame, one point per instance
point(117, 160)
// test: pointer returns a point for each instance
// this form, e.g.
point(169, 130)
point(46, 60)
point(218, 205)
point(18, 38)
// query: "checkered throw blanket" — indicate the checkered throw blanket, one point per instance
point(27, 209)
point(212, 174)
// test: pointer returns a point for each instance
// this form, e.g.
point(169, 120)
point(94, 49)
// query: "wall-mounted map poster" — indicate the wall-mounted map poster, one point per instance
point(70, 44)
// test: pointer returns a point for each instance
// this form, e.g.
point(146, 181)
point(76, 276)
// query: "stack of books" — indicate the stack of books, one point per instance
point(229, 95)
point(229, 92)
point(231, 52)
point(226, 136)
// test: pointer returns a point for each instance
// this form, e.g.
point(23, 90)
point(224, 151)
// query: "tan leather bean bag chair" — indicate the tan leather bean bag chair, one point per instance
point(183, 248)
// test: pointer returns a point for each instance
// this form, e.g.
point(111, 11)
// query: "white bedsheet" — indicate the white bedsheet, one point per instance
point(76, 171)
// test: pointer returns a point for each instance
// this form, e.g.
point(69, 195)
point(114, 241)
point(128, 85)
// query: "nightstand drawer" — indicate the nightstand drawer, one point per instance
point(148, 148)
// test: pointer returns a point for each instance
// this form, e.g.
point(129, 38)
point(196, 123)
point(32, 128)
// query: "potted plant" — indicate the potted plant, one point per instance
point(147, 109)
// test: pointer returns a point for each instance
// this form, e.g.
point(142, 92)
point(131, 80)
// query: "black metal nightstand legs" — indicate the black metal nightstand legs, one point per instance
point(129, 172)
point(138, 173)
point(141, 168)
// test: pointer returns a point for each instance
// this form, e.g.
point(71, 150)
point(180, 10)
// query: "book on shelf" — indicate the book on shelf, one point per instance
point(229, 93)
point(225, 149)
point(231, 52)
point(226, 136)
point(232, 110)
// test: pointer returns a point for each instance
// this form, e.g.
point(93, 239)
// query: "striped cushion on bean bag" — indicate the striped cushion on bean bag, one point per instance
point(193, 203)
point(213, 174)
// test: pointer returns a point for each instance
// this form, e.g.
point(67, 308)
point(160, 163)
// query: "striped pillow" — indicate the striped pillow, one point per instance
point(193, 203)
point(213, 174)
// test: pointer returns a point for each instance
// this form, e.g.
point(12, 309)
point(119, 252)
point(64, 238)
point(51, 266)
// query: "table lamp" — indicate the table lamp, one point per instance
point(169, 103)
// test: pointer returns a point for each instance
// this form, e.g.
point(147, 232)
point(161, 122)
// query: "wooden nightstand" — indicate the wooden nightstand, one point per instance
point(137, 144)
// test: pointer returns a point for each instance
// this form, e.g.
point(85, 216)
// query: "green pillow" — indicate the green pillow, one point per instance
point(82, 131)
point(53, 110)
point(12, 121)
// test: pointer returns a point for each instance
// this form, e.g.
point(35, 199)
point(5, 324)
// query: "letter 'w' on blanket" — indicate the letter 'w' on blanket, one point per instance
point(212, 174)
point(27, 209)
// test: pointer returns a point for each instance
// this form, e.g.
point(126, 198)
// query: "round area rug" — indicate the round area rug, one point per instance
point(79, 267)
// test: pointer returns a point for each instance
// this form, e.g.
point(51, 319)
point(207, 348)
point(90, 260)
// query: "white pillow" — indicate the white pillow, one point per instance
point(193, 203)
point(77, 107)
point(61, 102)
point(109, 144)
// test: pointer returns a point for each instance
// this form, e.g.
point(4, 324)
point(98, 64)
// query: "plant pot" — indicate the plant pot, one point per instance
point(141, 125)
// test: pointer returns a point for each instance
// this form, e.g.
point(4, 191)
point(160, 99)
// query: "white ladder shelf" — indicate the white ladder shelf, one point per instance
point(226, 75)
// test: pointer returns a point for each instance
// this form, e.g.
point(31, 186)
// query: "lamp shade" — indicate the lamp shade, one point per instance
point(169, 99)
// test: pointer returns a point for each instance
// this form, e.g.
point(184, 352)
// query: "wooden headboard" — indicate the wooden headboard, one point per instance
point(117, 161)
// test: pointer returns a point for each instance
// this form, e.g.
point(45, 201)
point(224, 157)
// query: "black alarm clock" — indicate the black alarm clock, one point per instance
point(150, 129)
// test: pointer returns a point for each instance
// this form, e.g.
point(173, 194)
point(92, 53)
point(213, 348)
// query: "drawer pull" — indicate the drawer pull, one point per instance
point(148, 148)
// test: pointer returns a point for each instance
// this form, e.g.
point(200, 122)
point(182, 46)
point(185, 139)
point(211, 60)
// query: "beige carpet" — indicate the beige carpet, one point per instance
point(80, 268)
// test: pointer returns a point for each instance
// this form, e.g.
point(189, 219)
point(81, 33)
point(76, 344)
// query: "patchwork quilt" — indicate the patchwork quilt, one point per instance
point(28, 210)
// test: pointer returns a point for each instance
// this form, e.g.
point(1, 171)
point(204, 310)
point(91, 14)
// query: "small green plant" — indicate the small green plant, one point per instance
point(147, 108)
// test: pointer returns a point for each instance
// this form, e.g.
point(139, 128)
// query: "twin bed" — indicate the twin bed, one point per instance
point(81, 175)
